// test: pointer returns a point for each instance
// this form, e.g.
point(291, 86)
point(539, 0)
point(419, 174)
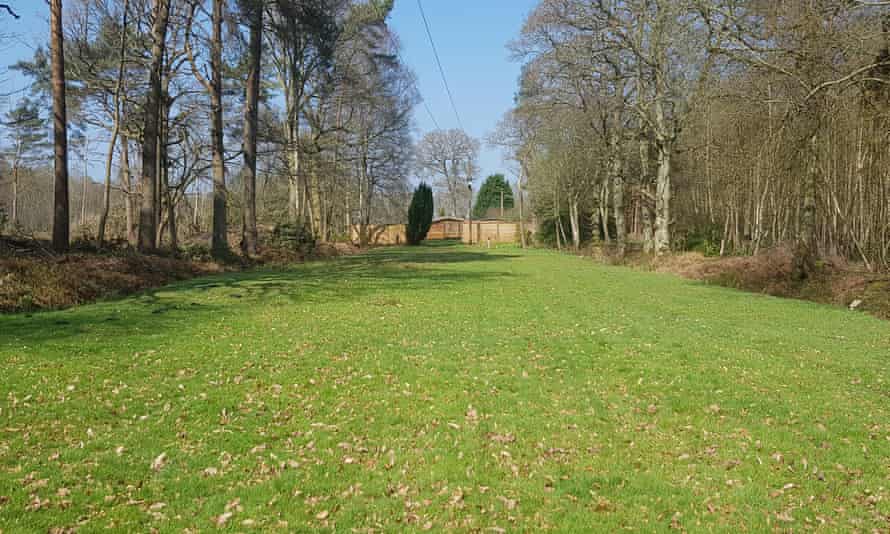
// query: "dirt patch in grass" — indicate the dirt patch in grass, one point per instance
point(837, 282)
point(33, 278)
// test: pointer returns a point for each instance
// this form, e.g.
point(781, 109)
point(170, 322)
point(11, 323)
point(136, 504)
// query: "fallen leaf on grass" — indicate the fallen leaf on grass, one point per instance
point(510, 504)
point(785, 517)
point(159, 462)
point(502, 438)
point(222, 519)
point(472, 414)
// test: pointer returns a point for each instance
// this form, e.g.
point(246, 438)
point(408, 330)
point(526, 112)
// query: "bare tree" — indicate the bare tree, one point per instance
point(116, 120)
point(450, 157)
point(148, 214)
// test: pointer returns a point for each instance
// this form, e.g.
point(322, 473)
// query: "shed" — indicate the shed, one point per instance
point(446, 228)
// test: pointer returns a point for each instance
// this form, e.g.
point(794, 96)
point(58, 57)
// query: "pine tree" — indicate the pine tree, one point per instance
point(420, 214)
point(28, 142)
point(490, 195)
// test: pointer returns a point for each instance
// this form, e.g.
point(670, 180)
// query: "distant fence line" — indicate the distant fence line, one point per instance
point(482, 231)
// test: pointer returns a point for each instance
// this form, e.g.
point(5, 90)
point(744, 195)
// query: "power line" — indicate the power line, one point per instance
point(425, 105)
point(429, 34)
point(417, 88)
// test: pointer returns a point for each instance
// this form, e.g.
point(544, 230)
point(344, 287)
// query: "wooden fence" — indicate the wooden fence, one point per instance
point(490, 231)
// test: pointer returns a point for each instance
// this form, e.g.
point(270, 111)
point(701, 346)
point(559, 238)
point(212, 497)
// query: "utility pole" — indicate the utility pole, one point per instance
point(470, 213)
point(502, 203)
point(521, 220)
point(470, 204)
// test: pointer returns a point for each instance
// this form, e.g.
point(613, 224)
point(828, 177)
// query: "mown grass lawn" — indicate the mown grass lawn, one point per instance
point(445, 388)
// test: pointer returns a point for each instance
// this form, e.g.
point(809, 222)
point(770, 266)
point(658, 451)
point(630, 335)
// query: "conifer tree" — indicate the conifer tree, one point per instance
point(420, 214)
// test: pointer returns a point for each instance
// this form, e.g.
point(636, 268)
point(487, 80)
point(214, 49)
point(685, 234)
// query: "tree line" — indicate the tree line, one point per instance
point(731, 125)
point(213, 114)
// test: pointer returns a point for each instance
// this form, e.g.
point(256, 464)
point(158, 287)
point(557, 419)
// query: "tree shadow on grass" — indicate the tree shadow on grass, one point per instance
point(360, 279)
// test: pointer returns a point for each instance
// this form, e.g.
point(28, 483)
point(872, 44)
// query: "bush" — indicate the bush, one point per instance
point(198, 252)
point(704, 239)
point(294, 236)
point(420, 214)
point(547, 228)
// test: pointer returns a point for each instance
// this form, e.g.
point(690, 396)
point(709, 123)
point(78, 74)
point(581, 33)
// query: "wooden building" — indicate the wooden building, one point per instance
point(446, 228)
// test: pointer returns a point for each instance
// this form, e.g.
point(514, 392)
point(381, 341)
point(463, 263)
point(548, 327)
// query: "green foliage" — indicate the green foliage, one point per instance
point(420, 214)
point(490, 195)
point(546, 234)
point(704, 238)
point(196, 252)
point(292, 236)
point(242, 386)
point(27, 133)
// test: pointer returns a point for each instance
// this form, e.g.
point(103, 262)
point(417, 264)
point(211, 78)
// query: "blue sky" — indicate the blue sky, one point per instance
point(470, 35)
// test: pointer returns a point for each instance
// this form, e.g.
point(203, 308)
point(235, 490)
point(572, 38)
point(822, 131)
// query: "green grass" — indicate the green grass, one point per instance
point(445, 388)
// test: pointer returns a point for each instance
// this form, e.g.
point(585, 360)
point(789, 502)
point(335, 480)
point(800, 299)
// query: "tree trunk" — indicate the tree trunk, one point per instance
point(249, 236)
point(84, 191)
point(522, 238)
point(171, 218)
point(806, 249)
point(604, 212)
point(574, 222)
point(163, 188)
point(61, 223)
point(131, 195)
point(15, 196)
point(219, 239)
point(663, 199)
point(148, 220)
point(106, 193)
point(617, 179)
point(106, 189)
point(645, 198)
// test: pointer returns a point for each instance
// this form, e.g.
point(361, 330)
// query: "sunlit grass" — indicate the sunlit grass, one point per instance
point(445, 387)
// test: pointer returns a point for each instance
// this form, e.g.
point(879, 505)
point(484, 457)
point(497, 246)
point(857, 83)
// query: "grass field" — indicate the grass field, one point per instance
point(445, 388)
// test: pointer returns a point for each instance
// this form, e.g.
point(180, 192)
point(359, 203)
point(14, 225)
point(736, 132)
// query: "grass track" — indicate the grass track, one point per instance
point(445, 387)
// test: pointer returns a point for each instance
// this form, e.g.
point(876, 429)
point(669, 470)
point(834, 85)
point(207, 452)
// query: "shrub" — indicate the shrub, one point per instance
point(294, 236)
point(704, 239)
point(420, 214)
point(197, 252)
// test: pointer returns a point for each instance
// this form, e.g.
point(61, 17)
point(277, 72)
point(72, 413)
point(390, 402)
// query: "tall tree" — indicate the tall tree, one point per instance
point(28, 141)
point(117, 103)
point(148, 212)
point(450, 158)
point(219, 242)
point(420, 214)
point(494, 193)
point(253, 12)
point(61, 222)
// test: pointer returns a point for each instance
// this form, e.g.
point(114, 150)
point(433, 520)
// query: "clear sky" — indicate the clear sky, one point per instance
point(470, 35)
